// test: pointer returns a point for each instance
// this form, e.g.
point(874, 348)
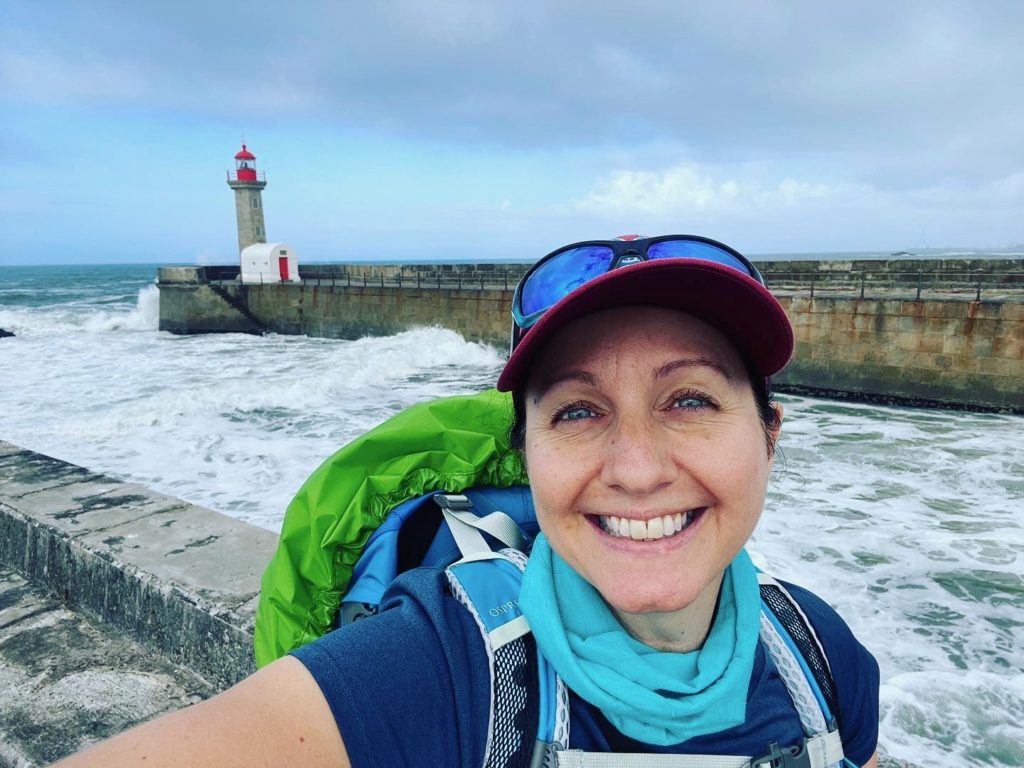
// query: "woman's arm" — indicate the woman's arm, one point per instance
point(275, 717)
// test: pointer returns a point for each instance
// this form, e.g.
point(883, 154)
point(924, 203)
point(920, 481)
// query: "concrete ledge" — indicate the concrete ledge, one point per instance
point(179, 578)
point(180, 274)
point(69, 682)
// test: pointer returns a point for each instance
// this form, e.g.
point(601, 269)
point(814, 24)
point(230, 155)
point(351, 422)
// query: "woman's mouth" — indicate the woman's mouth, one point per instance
point(648, 530)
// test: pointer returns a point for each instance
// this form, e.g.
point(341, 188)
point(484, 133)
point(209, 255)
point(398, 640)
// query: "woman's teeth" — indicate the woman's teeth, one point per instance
point(648, 530)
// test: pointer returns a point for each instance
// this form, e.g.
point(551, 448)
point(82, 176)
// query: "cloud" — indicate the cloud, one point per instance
point(748, 208)
point(729, 78)
point(689, 189)
point(52, 77)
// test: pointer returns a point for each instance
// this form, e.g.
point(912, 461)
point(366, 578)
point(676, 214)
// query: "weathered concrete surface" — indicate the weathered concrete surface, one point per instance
point(196, 308)
point(335, 311)
point(116, 604)
point(177, 577)
point(68, 682)
point(962, 353)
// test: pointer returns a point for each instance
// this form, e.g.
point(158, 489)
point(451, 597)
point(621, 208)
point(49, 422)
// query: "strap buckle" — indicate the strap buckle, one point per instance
point(796, 756)
point(456, 502)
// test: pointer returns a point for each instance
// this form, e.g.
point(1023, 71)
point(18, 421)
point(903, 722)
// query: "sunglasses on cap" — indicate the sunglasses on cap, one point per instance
point(562, 271)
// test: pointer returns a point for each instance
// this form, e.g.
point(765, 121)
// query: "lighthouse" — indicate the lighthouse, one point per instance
point(248, 184)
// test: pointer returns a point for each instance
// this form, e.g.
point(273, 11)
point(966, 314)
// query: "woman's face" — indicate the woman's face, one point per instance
point(646, 455)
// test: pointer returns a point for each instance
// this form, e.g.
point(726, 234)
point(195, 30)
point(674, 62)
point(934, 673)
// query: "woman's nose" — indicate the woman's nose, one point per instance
point(636, 461)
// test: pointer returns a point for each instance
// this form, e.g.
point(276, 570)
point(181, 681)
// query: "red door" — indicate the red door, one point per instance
point(282, 265)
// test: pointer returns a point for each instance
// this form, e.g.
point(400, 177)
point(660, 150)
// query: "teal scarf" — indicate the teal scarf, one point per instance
point(656, 697)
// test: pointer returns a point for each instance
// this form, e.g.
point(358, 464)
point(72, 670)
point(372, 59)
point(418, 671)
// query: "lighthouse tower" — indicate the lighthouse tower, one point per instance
point(248, 184)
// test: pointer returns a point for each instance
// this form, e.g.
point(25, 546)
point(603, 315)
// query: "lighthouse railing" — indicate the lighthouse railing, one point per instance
point(973, 285)
point(248, 174)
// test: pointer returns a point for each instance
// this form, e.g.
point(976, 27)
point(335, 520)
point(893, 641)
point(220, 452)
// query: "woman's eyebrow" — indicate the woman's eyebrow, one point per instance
point(573, 374)
point(690, 362)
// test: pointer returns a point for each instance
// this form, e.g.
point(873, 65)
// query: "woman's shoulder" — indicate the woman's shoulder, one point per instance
point(847, 656)
point(830, 627)
point(417, 609)
point(384, 676)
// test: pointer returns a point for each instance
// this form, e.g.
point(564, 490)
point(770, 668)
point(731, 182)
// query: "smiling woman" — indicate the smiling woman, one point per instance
point(647, 461)
point(640, 383)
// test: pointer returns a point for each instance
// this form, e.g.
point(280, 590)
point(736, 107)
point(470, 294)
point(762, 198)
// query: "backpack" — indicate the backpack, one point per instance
point(480, 537)
point(444, 445)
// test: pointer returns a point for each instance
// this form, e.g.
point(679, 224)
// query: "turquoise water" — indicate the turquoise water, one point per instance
point(909, 521)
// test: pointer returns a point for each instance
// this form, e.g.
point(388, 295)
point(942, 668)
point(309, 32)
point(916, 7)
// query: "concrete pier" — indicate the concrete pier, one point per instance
point(116, 604)
point(950, 335)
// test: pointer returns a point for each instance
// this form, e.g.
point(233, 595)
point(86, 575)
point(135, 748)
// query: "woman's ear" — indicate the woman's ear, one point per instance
point(774, 428)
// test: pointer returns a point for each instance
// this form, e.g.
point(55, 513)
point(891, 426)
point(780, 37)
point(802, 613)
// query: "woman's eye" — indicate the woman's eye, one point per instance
point(575, 413)
point(690, 402)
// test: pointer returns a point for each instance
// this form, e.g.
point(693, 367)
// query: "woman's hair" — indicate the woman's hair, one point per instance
point(764, 397)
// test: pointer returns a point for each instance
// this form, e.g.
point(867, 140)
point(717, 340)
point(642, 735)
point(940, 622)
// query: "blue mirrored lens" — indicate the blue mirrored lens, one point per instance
point(561, 274)
point(668, 249)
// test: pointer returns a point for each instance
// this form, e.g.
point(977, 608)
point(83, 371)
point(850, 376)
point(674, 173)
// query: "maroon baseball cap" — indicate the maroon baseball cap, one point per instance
point(737, 305)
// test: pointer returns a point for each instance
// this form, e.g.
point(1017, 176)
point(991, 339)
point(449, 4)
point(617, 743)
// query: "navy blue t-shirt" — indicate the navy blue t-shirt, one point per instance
point(411, 686)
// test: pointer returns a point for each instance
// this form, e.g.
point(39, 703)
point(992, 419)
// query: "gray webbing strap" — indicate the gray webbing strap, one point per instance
point(826, 749)
point(823, 750)
point(466, 526)
point(575, 758)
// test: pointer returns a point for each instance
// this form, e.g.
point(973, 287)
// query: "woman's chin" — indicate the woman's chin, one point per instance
point(639, 602)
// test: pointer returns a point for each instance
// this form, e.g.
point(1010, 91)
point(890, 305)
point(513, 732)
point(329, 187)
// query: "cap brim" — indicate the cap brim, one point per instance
point(738, 306)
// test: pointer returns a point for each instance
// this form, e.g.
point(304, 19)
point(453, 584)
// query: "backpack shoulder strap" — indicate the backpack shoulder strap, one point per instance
point(821, 751)
point(467, 528)
point(528, 721)
point(796, 631)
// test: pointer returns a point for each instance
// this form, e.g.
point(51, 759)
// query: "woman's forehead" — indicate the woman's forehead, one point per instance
point(653, 341)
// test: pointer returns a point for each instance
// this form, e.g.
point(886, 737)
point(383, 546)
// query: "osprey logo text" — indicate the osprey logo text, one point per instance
point(501, 610)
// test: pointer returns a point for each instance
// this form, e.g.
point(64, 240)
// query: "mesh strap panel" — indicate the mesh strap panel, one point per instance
point(516, 709)
point(515, 705)
point(806, 703)
point(781, 605)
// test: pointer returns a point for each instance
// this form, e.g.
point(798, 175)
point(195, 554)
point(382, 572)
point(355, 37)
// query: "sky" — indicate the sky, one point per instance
point(471, 129)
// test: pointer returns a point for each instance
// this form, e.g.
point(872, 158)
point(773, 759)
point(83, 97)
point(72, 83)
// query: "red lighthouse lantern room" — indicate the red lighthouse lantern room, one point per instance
point(245, 165)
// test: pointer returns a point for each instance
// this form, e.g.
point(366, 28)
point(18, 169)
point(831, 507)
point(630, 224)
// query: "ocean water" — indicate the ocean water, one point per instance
point(909, 521)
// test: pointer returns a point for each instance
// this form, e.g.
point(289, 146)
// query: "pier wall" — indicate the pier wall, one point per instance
point(337, 312)
point(944, 348)
point(117, 604)
point(957, 353)
point(933, 268)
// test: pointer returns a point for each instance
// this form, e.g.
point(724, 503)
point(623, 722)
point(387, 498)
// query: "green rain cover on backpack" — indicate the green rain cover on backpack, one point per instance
point(444, 445)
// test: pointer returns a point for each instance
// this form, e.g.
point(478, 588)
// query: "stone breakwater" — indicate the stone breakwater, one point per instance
point(922, 333)
point(116, 604)
point(947, 352)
